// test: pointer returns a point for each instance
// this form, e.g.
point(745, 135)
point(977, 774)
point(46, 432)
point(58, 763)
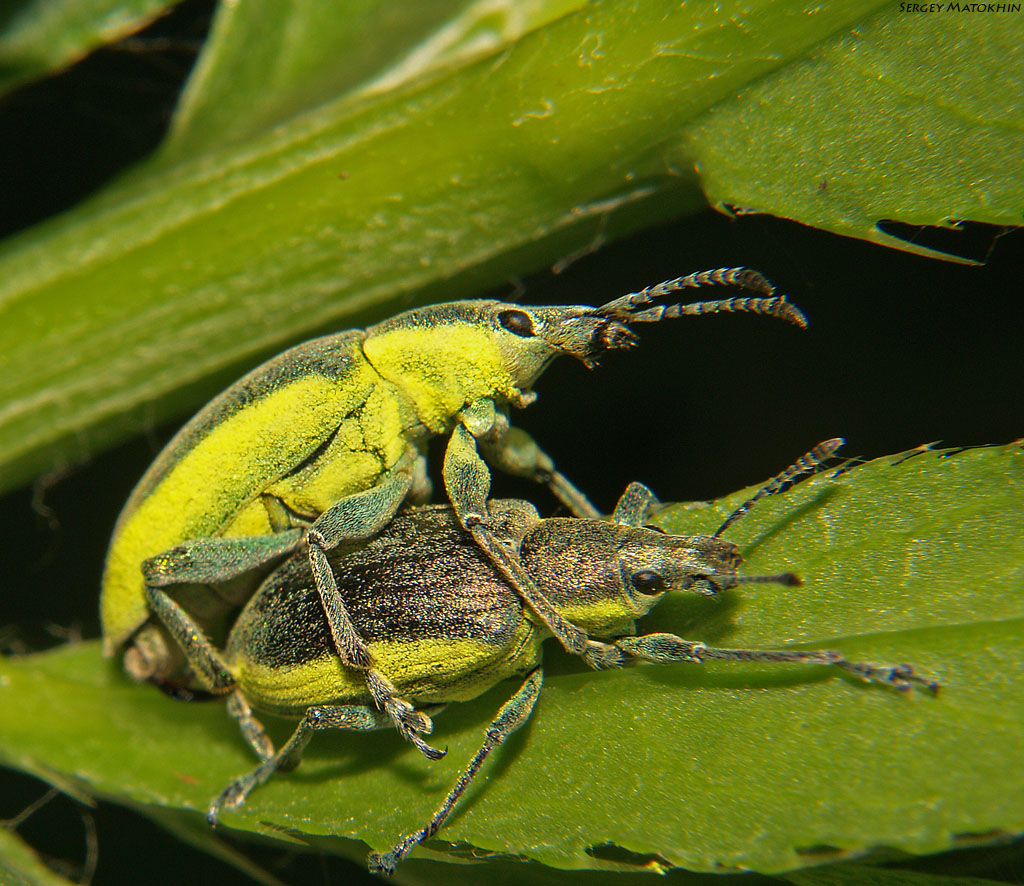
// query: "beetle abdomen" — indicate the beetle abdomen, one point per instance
point(439, 620)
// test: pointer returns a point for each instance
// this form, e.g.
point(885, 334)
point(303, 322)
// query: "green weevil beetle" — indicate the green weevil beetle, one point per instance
point(444, 624)
point(320, 446)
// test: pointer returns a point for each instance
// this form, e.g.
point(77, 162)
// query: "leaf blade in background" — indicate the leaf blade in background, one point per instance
point(21, 866)
point(264, 62)
point(887, 122)
point(734, 766)
point(42, 36)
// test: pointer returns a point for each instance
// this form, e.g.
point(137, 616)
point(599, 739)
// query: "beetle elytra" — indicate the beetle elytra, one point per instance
point(320, 446)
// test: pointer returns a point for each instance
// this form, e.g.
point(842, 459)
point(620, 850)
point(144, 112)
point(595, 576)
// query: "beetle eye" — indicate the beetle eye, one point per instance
point(517, 322)
point(648, 582)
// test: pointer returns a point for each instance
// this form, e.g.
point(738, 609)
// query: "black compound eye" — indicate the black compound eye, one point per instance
point(648, 582)
point(517, 322)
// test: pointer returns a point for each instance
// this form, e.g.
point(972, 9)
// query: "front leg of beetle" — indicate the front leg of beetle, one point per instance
point(515, 452)
point(669, 649)
point(468, 483)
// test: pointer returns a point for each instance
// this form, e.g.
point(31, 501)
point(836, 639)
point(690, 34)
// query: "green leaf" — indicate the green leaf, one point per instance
point(20, 866)
point(266, 61)
point(40, 36)
point(179, 276)
point(917, 558)
point(913, 118)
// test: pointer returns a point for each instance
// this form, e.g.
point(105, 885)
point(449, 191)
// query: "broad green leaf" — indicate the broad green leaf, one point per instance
point(40, 36)
point(265, 61)
point(915, 558)
point(178, 277)
point(908, 117)
point(20, 866)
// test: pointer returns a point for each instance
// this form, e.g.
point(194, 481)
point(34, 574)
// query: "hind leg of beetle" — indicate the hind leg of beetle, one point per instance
point(252, 729)
point(468, 483)
point(317, 718)
point(210, 670)
point(217, 560)
point(201, 561)
point(668, 648)
point(513, 714)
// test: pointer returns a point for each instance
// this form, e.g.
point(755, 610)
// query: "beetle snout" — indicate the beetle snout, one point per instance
point(587, 338)
point(707, 565)
point(613, 336)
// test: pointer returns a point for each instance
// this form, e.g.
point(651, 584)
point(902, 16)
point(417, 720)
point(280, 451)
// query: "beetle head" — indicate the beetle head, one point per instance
point(530, 337)
point(602, 576)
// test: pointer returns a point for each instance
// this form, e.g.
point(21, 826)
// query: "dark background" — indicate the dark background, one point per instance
point(901, 350)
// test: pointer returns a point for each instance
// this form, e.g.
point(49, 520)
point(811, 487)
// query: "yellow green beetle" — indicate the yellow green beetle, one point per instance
point(443, 624)
point(320, 446)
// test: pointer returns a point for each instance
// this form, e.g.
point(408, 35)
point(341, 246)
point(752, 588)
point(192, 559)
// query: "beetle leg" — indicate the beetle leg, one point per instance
point(207, 561)
point(357, 517)
point(468, 483)
point(668, 648)
point(635, 505)
point(515, 452)
point(217, 560)
point(466, 478)
point(211, 671)
point(406, 719)
point(317, 718)
point(252, 729)
point(353, 518)
point(513, 714)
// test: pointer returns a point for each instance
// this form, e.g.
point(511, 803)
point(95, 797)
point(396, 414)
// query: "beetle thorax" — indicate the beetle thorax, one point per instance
point(441, 366)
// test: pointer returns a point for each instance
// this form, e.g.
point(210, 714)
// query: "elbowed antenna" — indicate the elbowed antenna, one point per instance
point(807, 463)
point(627, 308)
point(789, 579)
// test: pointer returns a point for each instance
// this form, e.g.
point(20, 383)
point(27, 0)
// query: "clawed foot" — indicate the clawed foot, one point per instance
point(382, 863)
point(231, 797)
point(410, 724)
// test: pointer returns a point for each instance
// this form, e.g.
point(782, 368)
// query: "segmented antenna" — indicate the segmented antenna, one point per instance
point(627, 308)
point(807, 463)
